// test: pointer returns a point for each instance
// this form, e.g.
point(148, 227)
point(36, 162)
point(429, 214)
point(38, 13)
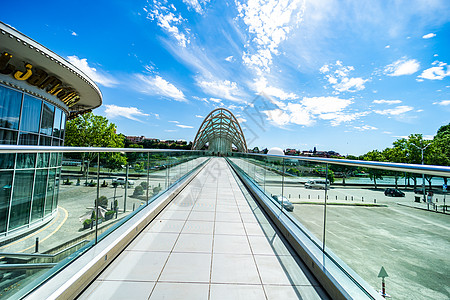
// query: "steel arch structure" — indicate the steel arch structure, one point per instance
point(220, 130)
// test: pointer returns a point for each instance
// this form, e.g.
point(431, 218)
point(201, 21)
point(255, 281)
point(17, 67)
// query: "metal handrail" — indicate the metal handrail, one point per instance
point(440, 171)
point(63, 149)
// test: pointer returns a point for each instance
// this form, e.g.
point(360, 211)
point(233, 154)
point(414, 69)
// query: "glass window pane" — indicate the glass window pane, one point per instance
point(63, 125)
point(25, 160)
point(8, 137)
point(56, 193)
point(50, 189)
point(31, 112)
point(53, 159)
point(57, 123)
point(7, 160)
point(45, 141)
point(47, 119)
point(40, 185)
point(55, 142)
point(28, 139)
point(43, 159)
point(10, 102)
point(21, 200)
point(5, 193)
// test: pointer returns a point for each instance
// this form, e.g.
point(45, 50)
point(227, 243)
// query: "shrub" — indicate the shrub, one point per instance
point(87, 223)
point(156, 189)
point(138, 191)
point(144, 185)
point(103, 201)
point(109, 214)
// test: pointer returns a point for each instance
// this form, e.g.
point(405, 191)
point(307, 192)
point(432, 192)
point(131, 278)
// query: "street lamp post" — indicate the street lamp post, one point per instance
point(423, 175)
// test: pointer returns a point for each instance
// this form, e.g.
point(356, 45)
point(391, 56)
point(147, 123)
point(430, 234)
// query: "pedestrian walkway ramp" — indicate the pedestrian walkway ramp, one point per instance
point(211, 242)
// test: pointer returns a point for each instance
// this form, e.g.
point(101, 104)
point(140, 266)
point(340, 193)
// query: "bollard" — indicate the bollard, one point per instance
point(362, 199)
point(318, 197)
point(336, 197)
point(36, 245)
point(298, 196)
point(374, 200)
point(345, 198)
point(352, 198)
point(327, 197)
point(134, 205)
point(289, 196)
point(309, 196)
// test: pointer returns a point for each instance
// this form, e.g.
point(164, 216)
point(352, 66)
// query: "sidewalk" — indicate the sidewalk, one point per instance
point(209, 243)
point(433, 207)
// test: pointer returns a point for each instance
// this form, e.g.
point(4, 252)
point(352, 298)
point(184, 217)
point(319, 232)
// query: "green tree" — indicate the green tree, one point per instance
point(89, 130)
point(374, 174)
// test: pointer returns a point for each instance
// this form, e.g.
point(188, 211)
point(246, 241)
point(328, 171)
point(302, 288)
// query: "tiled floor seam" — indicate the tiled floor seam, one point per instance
point(248, 241)
point(212, 248)
point(171, 251)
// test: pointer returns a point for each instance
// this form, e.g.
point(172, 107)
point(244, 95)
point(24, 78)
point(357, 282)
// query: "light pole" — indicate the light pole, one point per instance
point(423, 175)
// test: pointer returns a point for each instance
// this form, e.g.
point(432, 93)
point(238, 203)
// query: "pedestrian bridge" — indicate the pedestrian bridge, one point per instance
point(194, 226)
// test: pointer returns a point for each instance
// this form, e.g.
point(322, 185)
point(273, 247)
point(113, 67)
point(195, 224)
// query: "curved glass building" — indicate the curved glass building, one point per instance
point(39, 91)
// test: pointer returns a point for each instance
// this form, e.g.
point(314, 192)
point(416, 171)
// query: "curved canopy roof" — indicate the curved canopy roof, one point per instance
point(220, 130)
point(25, 50)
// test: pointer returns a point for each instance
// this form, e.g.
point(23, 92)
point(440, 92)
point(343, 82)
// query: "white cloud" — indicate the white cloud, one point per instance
point(176, 122)
point(337, 76)
point(443, 103)
point(395, 111)
point(184, 126)
point(260, 86)
point(199, 116)
point(438, 72)
point(402, 67)
point(98, 76)
point(365, 127)
point(156, 85)
point(229, 58)
point(215, 100)
point(429, 36)
point(74, 33)
point(278, 117)
point(168, 21)
point(309, 109)
point(196, 5)
point(387, 101)
point(226, 89)
point(387, 46)
point(113, 111)
point(320, 105)
point(269, 23)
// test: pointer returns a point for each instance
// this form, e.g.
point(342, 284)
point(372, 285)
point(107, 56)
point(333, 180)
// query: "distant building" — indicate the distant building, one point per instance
point(135, 139)
point(291, 152)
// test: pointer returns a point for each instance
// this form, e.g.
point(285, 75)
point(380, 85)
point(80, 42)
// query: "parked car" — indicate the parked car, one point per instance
point(317, 184)
point(284, 202)
point(393, 193)
point(121, 181)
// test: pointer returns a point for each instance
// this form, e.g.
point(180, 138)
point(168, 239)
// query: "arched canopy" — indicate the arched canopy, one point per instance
point(220, 130)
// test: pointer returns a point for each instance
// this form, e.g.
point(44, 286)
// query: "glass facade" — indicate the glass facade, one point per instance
point(29, 182)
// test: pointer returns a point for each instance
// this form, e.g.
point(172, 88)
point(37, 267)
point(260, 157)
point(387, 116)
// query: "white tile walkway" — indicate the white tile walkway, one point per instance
point(211, 242)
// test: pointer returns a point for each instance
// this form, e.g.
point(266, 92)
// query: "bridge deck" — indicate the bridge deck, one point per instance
point(211, 242)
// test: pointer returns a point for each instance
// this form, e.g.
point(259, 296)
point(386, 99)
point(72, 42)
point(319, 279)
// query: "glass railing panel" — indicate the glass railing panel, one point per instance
point(385, 221)
point(71, 201)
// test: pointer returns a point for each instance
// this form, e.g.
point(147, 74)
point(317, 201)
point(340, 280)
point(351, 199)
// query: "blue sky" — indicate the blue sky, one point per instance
point(349, 76)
